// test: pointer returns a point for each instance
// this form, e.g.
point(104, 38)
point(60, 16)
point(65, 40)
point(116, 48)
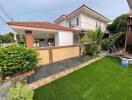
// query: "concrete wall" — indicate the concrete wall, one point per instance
point(65, 38)
point(65, 53)
point(55, 54)
point(44, 57)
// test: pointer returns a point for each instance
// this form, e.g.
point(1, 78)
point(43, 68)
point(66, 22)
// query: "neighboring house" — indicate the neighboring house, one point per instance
point(83, 19)
point(129, 33)
point(130, 4)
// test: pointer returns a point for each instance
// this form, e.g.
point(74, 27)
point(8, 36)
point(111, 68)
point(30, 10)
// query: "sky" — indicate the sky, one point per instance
point(50, 10)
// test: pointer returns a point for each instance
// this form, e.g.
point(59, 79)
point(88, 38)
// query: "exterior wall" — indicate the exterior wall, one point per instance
point(74, 22)
point(55, 54)
point(88, 22)
point(65, 38)
point(64, 23)
point(65, 53)
point(85, 22)
point(129, 36)
point(44, 57)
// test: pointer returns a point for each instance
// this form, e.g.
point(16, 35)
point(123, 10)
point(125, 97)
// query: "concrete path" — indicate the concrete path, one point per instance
point(54, 68)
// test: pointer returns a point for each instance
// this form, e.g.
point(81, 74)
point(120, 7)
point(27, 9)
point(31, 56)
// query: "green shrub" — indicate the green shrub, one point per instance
point(20, 92)
point(92, 49)
point(17, 59)
point(92, 42)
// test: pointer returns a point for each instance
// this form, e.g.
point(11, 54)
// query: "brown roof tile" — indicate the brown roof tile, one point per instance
point(45, 25)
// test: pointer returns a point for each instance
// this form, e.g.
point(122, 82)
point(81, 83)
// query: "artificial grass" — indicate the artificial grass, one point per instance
point(102, 80)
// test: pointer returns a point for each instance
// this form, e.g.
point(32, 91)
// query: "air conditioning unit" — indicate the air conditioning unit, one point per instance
point(73, 25)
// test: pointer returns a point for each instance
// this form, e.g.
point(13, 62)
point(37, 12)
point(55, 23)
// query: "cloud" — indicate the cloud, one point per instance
point(49, 10)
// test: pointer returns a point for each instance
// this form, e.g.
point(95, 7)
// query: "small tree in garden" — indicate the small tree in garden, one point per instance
point(20, 92)
point(109, 43)
point(118, 29)
point(92, 42)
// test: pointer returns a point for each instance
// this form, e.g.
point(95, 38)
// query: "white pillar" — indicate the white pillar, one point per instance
point(15, 37)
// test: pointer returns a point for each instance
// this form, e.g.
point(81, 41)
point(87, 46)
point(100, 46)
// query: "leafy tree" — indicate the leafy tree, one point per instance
point(8, 38)
point(119, 24)
point(21, 39)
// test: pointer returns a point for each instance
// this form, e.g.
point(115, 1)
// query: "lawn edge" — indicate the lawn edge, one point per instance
point(54, 77)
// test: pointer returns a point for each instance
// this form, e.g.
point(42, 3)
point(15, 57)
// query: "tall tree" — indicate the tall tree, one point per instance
point(119, 24)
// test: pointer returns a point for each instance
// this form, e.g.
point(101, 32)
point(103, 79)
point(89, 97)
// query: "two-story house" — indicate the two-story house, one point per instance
point(83, 19)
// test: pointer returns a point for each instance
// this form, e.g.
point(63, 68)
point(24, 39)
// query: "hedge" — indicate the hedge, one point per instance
point(17, 59)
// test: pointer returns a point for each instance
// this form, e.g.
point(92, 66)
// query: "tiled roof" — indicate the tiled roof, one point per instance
point(45, 25)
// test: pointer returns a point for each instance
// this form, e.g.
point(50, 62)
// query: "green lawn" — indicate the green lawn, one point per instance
point(102, 80)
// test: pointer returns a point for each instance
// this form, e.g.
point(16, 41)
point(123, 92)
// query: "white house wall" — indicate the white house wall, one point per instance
point(85, 22)
point(74, 22)
point(88, 22)
point(64, 23)
point(64, 38)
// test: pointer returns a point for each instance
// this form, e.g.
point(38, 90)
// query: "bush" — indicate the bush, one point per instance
point(92, 49)
point(92, 42)
point(17, 59)
point(20, 92)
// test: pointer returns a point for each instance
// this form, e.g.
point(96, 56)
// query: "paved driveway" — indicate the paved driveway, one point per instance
point(54, 68)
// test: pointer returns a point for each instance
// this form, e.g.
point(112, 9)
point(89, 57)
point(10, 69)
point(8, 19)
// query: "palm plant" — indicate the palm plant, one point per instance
point(92, 42)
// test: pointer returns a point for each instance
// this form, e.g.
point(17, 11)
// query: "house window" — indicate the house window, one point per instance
point(70, 25)
point(96, 24)
point(77, 21)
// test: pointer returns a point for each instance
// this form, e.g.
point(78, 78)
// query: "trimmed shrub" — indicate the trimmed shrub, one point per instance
point(17, 59)
point(20, 92)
